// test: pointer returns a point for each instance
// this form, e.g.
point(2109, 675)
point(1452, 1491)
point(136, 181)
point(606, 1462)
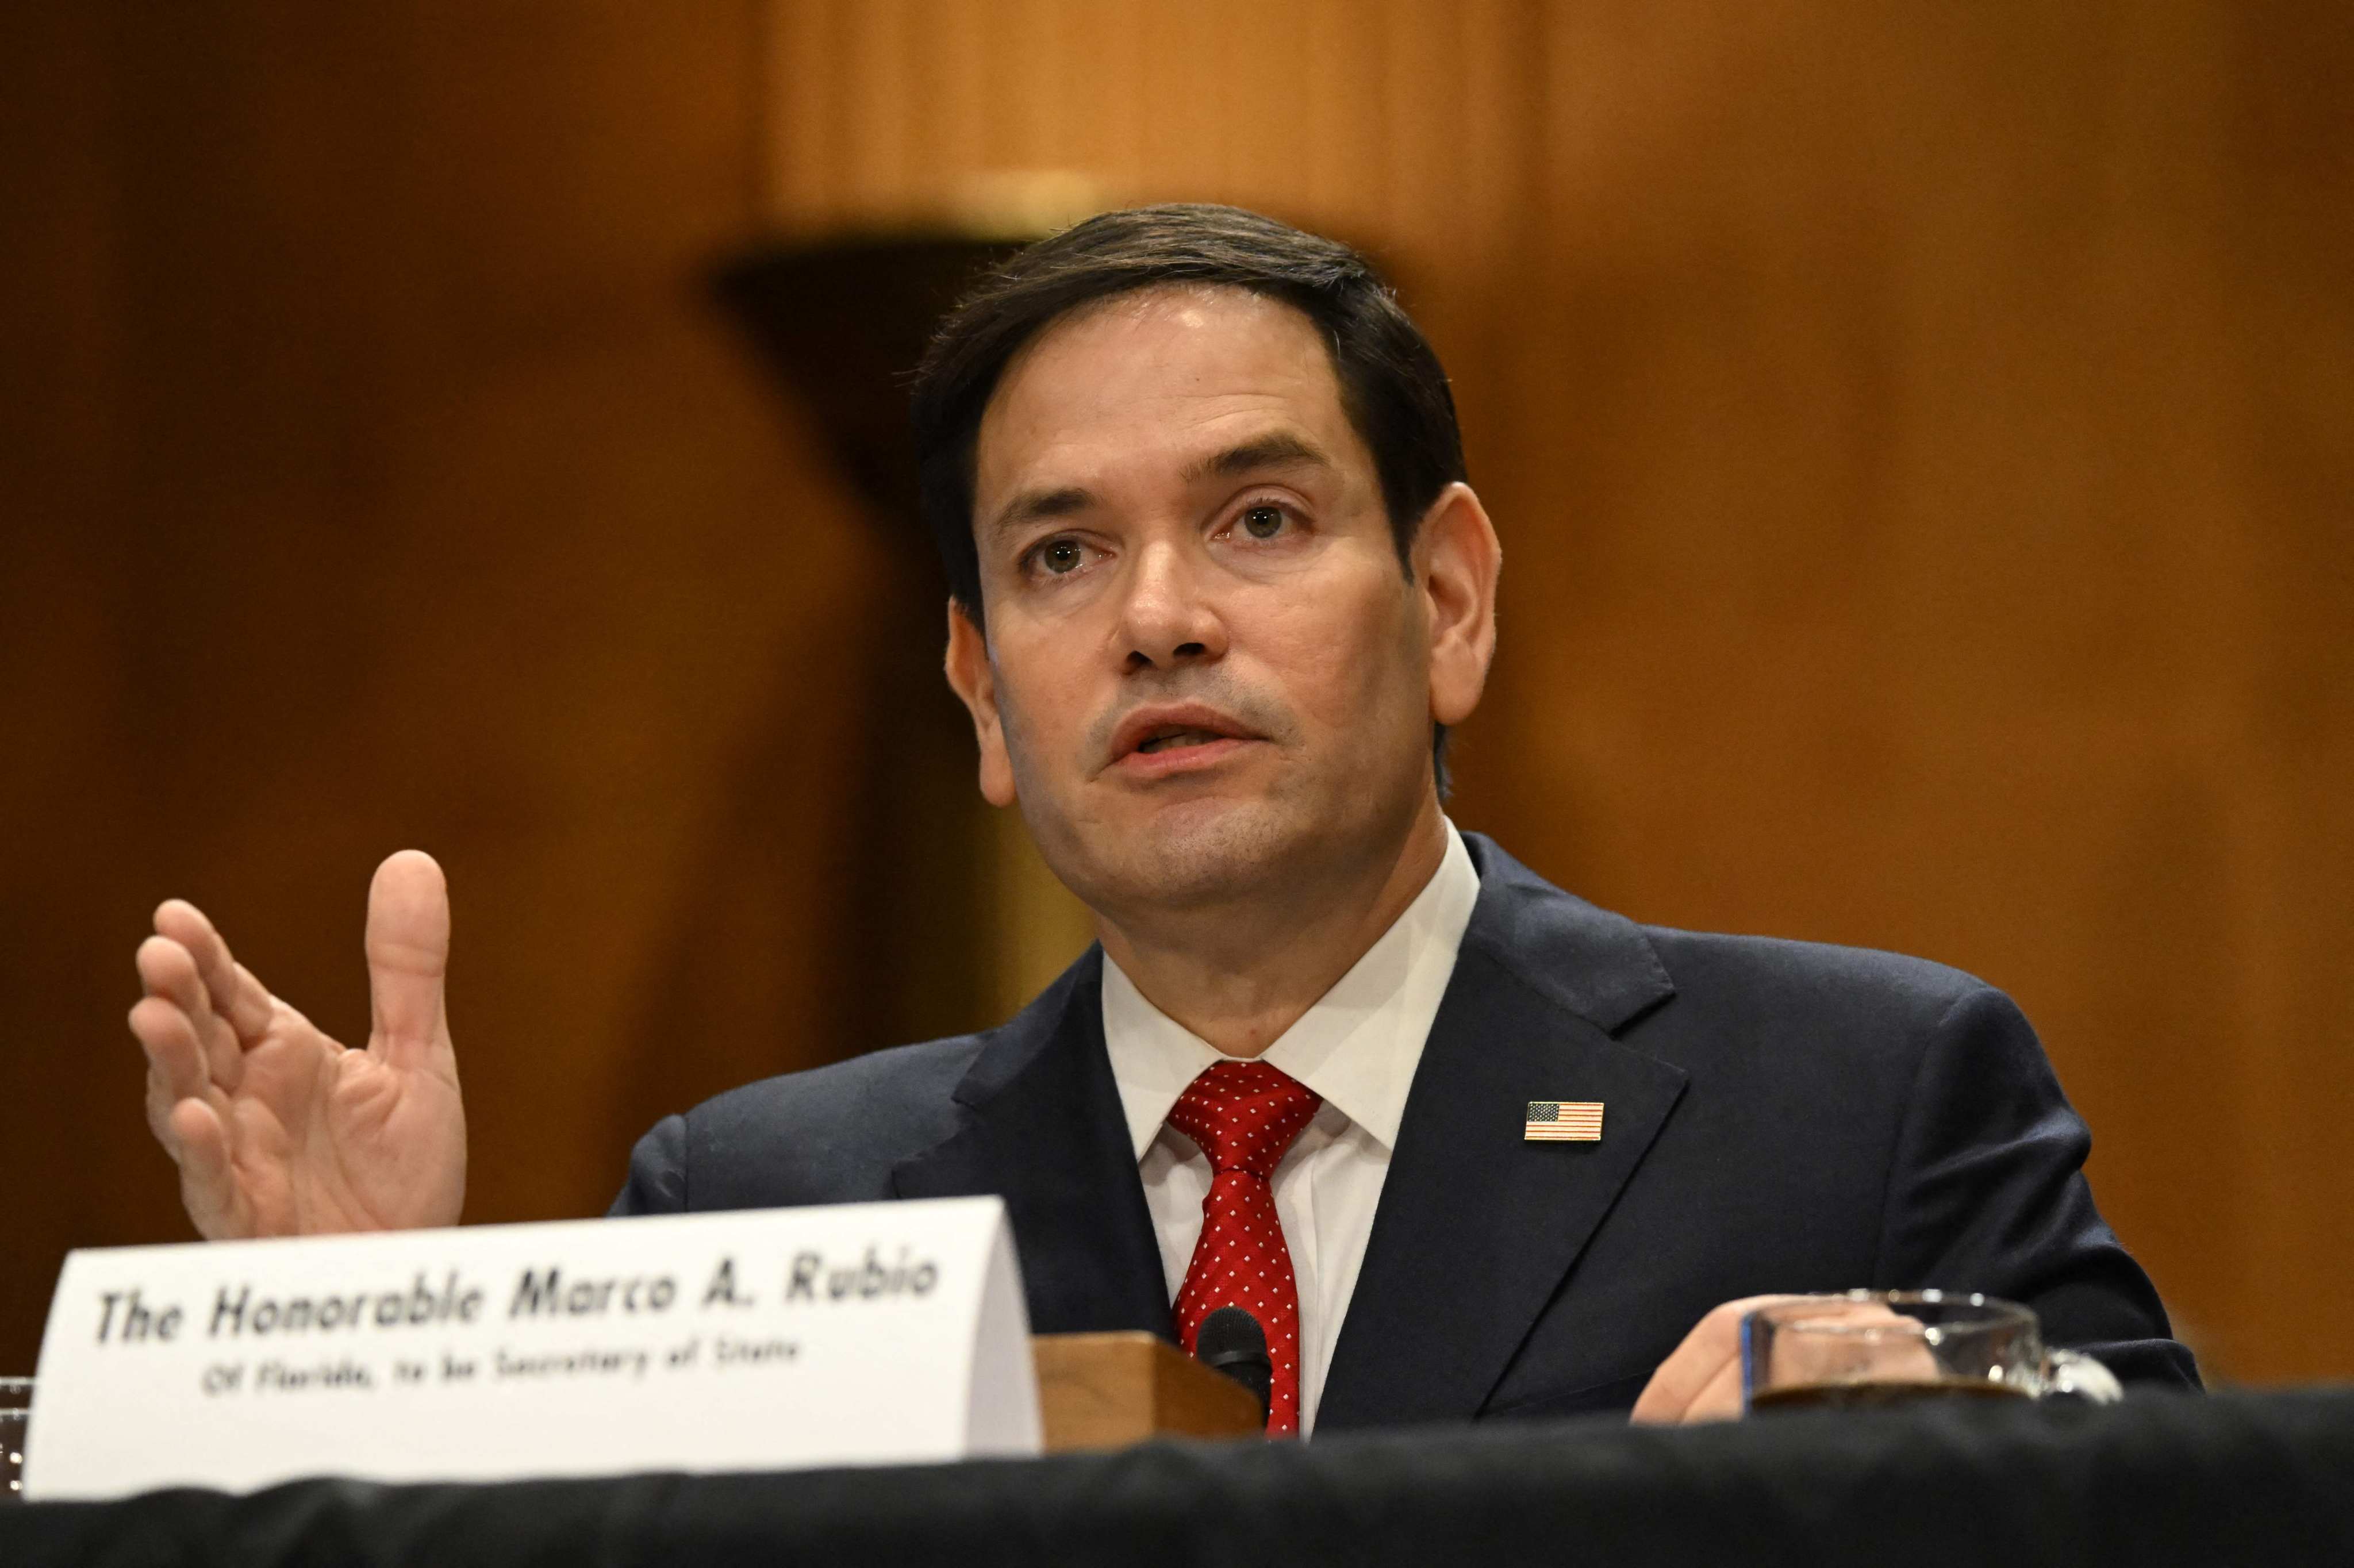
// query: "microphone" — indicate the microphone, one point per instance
point(1231, 1341)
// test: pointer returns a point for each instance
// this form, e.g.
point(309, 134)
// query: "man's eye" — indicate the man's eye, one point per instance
point(1264, 521)
point(1062, 556)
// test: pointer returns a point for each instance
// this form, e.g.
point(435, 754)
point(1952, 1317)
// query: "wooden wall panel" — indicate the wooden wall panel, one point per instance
point(377, 474)
point(1405, 121)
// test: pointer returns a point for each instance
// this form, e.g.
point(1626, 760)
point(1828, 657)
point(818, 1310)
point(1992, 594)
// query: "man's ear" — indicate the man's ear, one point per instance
point(1457, 559)
point(972, 679)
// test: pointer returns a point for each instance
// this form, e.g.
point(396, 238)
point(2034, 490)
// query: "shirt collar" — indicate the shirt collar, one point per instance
point(1357, 1047)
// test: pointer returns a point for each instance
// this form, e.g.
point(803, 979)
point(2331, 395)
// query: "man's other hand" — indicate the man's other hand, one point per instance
point(1702, 1380)
point(278, 1131)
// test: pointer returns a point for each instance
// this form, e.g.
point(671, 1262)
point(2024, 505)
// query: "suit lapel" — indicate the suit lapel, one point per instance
point(1477, 1227)
point(1042, 1129)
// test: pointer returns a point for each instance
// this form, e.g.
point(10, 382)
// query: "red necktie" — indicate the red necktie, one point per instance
point(1244, 1116)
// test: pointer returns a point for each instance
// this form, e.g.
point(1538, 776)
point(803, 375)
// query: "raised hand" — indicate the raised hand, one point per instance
point(278, 1131)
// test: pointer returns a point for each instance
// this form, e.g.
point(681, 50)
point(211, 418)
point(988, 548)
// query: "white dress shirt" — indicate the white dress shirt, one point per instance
point(1357, 1047)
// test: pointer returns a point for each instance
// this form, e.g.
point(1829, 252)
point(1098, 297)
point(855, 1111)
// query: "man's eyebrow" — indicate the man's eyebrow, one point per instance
point(1279, 448)
point(1034, 505)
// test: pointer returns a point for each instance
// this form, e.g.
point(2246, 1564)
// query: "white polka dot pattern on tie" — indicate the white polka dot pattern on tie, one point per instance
point(1244, 1116)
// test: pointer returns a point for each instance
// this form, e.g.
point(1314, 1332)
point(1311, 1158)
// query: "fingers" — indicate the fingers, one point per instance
point(176, 1068)
point(1719, 1398)
point(168, 972)
point(409, 958)
point(199, 1144)
point(1841, 1342)
point(1691, 1383)
point(186, 1117)
point(238, 998)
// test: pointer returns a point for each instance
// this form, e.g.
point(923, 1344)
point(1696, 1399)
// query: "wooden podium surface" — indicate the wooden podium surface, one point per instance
point(1104, 1391)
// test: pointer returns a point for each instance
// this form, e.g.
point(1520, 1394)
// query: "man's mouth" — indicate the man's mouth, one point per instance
point(1168, 738)
point(1172, 739)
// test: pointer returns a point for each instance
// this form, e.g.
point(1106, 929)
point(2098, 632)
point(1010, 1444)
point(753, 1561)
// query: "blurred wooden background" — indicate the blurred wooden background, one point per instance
point(1920, 437)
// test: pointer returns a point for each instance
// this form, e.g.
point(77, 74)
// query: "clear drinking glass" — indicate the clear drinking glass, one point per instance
point(16, 1415)
point(1883, 1347)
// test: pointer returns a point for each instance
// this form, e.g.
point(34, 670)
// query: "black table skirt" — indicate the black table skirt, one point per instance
point(2254, 1479)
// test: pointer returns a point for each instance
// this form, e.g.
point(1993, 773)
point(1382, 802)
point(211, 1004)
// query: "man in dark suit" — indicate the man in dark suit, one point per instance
point(1781, 1117)
point(1466, 1144)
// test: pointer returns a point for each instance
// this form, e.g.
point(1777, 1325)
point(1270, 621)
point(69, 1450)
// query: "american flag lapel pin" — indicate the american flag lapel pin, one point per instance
point(1564, 1121)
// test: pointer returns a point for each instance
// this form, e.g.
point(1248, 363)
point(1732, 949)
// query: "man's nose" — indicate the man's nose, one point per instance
point(1167, 617)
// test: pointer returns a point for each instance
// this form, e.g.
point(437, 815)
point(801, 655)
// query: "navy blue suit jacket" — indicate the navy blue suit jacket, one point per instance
point(1780, 1117)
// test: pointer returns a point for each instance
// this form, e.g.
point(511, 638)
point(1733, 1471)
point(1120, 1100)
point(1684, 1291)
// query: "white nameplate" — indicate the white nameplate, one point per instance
point(869, 1333)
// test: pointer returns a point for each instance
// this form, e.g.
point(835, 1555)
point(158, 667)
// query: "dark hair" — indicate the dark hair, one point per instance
point(1391, 385)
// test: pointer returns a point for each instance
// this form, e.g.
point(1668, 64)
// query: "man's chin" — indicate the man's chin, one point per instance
point(1188, 854)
